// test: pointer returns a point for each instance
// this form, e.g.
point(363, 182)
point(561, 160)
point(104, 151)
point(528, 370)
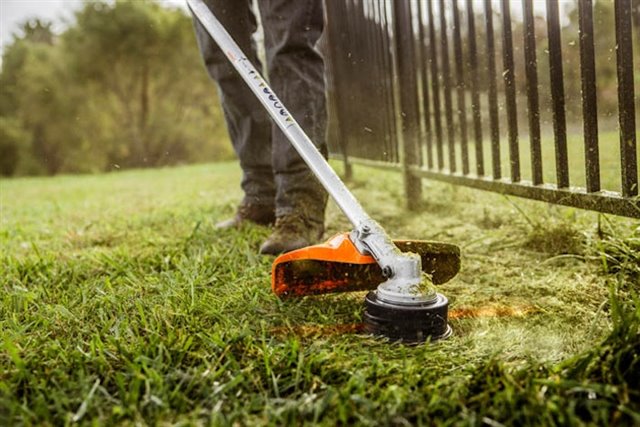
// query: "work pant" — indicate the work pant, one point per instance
point(273, 172)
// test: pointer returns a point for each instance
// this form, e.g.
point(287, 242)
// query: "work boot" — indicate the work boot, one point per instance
point(249, 213)
point(292, 232)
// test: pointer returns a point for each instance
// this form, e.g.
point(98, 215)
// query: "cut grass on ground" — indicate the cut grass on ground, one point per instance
point(122, 304)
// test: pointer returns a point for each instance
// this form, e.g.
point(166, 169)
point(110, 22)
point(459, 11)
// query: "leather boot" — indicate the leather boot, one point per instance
point(292, 232)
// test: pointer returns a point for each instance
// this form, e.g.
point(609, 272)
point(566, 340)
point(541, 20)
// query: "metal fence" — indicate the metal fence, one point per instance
point(432, 88)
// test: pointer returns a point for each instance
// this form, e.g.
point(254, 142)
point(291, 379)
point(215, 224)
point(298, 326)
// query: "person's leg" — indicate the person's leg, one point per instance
point(296, 73)
point(248, 124)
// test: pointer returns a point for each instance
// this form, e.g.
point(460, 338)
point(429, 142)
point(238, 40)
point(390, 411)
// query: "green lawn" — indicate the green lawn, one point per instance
point(120, 303)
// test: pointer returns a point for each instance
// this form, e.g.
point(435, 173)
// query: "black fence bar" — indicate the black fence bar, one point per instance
point(379, 127)
point(417, 60)
point(589, 102)
point(344, 70)
point(531, 72)
point(404, 43)
point(336, 37)
point(460, 88)
point(556, 79)
point(424, 74)
point(373, 60)
point(492, 91)
point(356, 54)
point(359, 53)
point(394, 93)
point(624, 55)
point(475, 98)
point(510, 91)
point(446, 86)
point(435, 86)
point(386, 81)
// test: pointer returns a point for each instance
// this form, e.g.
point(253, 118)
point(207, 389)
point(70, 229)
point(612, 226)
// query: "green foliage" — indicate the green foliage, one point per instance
point(619, 254)
point(560, 238)
point(123, 86)
point(12, 139)
point(49, 106)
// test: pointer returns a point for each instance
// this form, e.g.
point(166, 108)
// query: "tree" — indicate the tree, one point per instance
point(143, 61)
point(124, 85)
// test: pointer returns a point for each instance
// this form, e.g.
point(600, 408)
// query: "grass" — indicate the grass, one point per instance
point(121, 304)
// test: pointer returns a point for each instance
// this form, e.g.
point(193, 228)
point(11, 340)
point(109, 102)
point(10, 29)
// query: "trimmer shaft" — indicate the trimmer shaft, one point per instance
point(398, 313)
point(411, 324)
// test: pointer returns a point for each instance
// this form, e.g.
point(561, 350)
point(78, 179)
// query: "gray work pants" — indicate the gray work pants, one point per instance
point(273, 172)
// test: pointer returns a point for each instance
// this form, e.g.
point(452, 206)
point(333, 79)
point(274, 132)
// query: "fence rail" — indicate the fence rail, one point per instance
point(438, 89)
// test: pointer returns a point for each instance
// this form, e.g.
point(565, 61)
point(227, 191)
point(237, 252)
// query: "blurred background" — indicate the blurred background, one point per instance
point(95, 86)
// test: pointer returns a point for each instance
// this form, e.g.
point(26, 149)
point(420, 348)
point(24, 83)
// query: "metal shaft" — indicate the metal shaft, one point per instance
point(403, 270)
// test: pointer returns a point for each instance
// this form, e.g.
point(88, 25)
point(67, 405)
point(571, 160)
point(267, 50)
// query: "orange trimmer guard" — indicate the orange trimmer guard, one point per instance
point(338, 266)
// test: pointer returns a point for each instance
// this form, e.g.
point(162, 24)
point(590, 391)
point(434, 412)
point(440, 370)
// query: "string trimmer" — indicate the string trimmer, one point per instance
point(402, 305)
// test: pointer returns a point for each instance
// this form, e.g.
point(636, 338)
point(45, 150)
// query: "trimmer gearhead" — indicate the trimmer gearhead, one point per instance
point(409, 323)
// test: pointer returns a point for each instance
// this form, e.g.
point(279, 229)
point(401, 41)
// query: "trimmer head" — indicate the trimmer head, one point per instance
point(411, 324)
point(338, 266)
